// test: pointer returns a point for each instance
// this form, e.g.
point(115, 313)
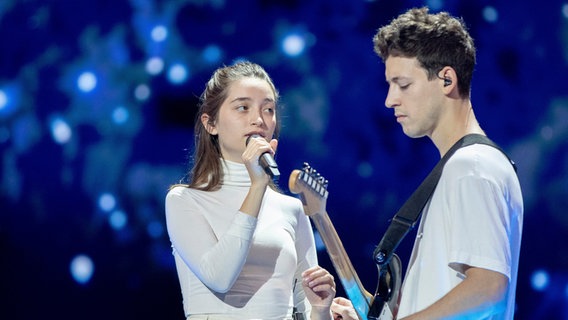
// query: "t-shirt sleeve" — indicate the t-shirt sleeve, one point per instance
point(216, 260)
point(480, 225)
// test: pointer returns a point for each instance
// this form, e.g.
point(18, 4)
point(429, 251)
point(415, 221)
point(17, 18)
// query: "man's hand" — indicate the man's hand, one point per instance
point(342, 308)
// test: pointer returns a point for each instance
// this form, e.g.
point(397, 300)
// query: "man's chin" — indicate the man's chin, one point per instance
point(412, 134)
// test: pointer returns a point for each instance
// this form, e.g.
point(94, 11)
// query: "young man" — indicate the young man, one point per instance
point(466, 253)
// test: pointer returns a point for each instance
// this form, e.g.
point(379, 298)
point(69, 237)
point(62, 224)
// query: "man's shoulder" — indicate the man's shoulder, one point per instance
point(479, 158)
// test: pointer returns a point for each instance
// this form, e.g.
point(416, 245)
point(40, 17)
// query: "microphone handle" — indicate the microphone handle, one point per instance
point(267, 162)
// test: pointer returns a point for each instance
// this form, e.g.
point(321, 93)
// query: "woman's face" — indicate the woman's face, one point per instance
point(250, 108)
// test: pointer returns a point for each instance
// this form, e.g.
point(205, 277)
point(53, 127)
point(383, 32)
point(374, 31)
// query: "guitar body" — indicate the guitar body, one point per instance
point(384, 305)
point(312, 190)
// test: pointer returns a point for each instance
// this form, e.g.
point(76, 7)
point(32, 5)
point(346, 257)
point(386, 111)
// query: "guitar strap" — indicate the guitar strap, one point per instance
point(410, 212)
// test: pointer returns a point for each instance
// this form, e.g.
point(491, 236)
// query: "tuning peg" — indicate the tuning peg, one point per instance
point(322, 181)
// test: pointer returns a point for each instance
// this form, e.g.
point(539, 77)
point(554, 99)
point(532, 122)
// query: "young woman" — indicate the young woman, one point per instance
point(242, 249)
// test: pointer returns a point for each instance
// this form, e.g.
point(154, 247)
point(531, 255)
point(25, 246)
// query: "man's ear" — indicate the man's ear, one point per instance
point(449, 77)
point(207, 123)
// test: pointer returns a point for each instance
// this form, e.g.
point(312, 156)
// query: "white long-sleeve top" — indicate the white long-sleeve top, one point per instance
point(234, 266)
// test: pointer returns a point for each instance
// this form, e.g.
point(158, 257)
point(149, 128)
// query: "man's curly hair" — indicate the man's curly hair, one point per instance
point(436, 40)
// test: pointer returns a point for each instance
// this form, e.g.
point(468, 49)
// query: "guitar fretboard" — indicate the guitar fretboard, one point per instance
point(343, 266)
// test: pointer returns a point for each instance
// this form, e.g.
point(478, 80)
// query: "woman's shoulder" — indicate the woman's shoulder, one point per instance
point(178, 189)
point(181, 191)
point(285, 201)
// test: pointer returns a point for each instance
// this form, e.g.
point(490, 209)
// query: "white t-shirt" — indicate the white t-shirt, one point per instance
point(234, 266)
point(474, 218)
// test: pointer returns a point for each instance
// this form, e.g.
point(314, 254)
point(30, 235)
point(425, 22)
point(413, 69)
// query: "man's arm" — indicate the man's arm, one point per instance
point(482, 292)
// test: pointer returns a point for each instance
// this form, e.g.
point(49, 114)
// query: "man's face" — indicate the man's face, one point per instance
point(416, 101)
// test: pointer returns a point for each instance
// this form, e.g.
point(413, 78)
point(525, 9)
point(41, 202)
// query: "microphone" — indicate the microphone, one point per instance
point(266, 161)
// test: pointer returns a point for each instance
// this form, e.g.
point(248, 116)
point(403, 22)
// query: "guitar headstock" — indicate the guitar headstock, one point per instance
point(311, 187)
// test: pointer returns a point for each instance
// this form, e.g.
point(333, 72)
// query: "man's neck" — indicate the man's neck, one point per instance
point(455, 126)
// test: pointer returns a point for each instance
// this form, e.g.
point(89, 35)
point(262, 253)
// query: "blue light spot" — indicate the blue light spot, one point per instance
point(107, 202)
point(82, 268)
point(159, 33)
point(212, 54)
point(177, 73)
point(293, 45)
point(490, 14)
point(365, 169)
point(118, 219)
point(154, 65)
point(142, 92)
point(120, 115)
point(565, 11)
point(435, 4)
point(9, 100)
point(87, 81)
point(3, 100)
point(155, 229)
point(239, 59)
point(540, 280)
point(60, 131)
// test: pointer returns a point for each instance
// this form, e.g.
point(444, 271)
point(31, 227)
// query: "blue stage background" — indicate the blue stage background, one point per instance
point(97, 101)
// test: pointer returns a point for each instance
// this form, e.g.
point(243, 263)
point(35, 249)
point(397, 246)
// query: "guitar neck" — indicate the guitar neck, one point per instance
point(355, 291)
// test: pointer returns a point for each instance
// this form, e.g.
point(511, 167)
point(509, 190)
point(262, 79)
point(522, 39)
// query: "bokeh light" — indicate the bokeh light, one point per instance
point(212, 54)
point(107, 202)
point(10, 99)
point(540, 280)
point(154, 65)
point(87, 81)
point(118, 219)
point(3, 100)
point(159, 33)
point(60, 130)
point(142, 92)
point(178, 73)
point(82, 268)
point(120, 115)
point(293, 45)
point(490, 14)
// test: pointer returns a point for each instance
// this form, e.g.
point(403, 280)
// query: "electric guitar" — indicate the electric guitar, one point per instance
point(312, 189)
